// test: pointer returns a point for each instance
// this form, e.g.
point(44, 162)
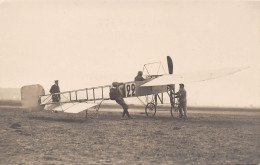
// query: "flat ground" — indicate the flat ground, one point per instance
point(206, 137)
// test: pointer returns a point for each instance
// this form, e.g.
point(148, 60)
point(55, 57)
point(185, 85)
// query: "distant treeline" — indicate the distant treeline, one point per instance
point(11, 102)
point(10, 94)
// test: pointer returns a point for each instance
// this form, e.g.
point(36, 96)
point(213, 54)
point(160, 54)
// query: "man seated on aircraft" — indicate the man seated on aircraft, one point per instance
point(181, 94)
point(119, 98)
point(55, 89)
point(139, 76)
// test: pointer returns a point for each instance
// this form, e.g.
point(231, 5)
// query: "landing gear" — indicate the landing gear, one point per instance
point(175, 109)
point(150, 109)
point(93, 114)
point(174, 105)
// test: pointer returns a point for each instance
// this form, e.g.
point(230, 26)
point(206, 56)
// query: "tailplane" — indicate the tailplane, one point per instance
point(30, 97)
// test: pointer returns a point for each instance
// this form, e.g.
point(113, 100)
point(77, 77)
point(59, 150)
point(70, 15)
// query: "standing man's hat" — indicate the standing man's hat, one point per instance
point(56, 80)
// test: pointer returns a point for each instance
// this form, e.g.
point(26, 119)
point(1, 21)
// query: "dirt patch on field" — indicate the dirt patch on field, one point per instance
point(58, 138)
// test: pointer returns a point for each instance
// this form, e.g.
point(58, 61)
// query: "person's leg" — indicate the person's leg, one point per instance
point(58, 99)
point(126, 112)
point(185, 109)
point(123, 115)
point(125, 107)
point(180, 110)
point(54, 98)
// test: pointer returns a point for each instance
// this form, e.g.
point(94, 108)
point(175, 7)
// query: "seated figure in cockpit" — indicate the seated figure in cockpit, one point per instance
point(139, 76)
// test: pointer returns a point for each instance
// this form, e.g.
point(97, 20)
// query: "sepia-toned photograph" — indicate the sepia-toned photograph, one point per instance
point(129, 82)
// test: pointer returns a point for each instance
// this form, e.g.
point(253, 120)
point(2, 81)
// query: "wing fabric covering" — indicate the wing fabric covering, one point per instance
point(192, 77)
point(74, 107)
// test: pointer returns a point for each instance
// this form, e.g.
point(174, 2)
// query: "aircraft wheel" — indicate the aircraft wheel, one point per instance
point(150, 109)
point(174, 111)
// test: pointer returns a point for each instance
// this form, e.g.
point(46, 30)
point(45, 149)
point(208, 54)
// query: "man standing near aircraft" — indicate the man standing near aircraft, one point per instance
point(139, 76)
point(117, 94)
point(55, 89)
point(181, 94)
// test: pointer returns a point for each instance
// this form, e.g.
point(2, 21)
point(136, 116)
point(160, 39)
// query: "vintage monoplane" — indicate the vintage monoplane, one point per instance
point(34, 97)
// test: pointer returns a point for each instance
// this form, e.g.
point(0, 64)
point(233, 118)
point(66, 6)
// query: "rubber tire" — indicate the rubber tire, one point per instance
point(174, 112)
point(150, 107)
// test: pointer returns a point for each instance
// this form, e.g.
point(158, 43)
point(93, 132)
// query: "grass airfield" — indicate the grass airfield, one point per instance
point(208, 136)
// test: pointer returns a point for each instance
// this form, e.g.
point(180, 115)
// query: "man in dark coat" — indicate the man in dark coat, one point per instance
point(139, 76)
point(55, 89)
point(120, 99)
point(181, 94)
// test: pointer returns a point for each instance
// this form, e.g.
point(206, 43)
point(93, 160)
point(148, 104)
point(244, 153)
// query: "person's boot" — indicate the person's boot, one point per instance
point(127, 113)
point(130, 117)
point(180, 115)
point(123, 116)
point(185, 114)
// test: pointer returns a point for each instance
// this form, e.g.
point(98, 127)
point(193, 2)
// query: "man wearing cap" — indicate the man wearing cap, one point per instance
point(139, 76)
point(120, 99)
point(55, 89)
point(181, 94)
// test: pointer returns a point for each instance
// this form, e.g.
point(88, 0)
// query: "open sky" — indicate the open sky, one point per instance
point(95, 42)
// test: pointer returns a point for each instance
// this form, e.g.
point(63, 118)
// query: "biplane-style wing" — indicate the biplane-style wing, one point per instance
point(192, 77)
point(75, 107)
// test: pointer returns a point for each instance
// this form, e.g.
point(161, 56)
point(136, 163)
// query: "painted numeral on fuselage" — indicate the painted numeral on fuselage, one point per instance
point(130, 89)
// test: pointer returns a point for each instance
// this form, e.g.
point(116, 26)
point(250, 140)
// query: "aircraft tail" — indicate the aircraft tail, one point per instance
point(30, 97)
